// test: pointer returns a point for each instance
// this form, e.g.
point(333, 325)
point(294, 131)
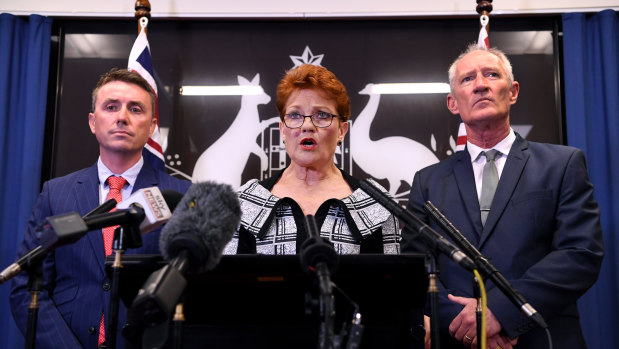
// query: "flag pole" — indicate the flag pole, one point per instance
point(142, 14)
point(140, 61)
point(142, 9)
point(484, 7)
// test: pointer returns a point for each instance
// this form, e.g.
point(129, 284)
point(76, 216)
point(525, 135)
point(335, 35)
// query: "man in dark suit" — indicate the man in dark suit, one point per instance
point(540, 227)
point(76, 290)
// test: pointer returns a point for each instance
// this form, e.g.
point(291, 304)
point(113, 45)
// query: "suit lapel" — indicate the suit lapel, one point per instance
point(87, 198)
point(86, 193)
point(463, 173)
point(146, 178)
point(516, 161)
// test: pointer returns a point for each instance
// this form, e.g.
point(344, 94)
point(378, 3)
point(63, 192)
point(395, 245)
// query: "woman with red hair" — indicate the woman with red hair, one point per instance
point(314, 109)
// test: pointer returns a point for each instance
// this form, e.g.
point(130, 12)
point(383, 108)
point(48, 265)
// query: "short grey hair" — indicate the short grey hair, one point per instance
point(507, 66)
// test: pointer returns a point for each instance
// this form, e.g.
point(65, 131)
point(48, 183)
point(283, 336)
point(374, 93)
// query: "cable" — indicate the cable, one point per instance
point(549, 338)
point(481, 343)
point(355, 328)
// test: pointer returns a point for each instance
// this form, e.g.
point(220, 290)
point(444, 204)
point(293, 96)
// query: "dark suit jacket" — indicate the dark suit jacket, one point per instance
point(76, 290)
point(543, 233)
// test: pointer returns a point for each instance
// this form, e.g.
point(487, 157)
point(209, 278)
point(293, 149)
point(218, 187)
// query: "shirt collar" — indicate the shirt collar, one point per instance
point(503, 146)
point(130, 175)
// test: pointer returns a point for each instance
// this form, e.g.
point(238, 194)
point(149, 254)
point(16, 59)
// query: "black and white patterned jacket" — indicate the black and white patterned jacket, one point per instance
point(272, 225)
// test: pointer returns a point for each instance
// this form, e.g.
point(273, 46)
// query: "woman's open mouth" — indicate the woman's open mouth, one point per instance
point(308, 143)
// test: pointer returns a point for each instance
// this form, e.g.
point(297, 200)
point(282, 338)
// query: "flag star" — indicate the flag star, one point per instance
point(306, 58)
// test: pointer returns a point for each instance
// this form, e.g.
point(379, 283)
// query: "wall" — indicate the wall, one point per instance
point(287, 8)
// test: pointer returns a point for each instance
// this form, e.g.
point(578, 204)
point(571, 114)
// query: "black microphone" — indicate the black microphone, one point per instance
point(103, 208)
point(430, 236)
point(193, 240)
point(39, 252)
point(486, 268)
point(146, 207)
point(317, 254)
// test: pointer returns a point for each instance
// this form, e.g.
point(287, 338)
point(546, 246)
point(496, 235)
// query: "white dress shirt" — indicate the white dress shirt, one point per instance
point(130, 176)
point(478, 161)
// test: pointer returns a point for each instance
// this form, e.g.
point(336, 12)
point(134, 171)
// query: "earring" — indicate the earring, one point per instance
point(339, 143)
point(284, 141)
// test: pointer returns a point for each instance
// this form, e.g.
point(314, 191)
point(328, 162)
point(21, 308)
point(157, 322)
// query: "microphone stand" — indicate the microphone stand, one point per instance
point(433, 271)
point(35, 284)
point(478, 310)
point(327, 307)
point(178, 320)
point(125, 236)
point(433, 241)
point(485, 267)
point(318, 257)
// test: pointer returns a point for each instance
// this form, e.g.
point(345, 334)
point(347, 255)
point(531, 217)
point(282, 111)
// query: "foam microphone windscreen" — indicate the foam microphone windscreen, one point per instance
point(202, 224)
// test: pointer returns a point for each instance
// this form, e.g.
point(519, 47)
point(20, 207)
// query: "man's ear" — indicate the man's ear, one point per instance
point(91, 122)
point(153, 125)
point(515, 89)
point(452, 104)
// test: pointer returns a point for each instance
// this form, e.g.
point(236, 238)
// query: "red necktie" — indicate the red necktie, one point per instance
point(116, 184)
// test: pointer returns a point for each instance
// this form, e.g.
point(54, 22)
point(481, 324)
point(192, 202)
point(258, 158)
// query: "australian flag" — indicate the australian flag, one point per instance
point(140, 62)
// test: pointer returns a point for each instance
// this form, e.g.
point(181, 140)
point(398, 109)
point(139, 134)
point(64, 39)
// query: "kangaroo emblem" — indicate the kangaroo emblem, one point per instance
point(225, 159)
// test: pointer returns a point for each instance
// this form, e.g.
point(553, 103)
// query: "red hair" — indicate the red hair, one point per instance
point(313, 77)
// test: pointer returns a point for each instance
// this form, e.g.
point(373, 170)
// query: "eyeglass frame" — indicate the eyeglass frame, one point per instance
point(311, 116)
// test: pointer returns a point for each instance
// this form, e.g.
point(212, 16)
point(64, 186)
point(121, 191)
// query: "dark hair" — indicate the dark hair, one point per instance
point(313, 77)
point(123, 75)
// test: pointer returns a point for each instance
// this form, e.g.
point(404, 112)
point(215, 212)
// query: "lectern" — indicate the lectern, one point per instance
point(264, 301)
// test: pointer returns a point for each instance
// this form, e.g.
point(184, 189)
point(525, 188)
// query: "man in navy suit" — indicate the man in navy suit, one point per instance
point(76, 290)
point(542, 229)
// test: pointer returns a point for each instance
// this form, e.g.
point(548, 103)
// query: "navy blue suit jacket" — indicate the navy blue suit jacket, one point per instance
point(76, 290)
point(543, 233)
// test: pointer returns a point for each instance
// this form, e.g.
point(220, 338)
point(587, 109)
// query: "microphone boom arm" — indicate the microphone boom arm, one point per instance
point(485, 267)
point(432, 239)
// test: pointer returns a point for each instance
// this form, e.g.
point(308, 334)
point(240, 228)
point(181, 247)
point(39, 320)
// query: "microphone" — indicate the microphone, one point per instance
point(317, 254)
point(158, 206)
point(486, 268)
point(39, 252)
point(430, 236)
point(146, 207)
point(193, 241)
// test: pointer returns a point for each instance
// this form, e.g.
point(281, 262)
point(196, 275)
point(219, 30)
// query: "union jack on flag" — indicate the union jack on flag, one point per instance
point(140, 62)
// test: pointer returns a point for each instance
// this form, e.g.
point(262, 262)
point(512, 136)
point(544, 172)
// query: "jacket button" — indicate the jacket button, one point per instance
point(106, 286)
point(91, 330)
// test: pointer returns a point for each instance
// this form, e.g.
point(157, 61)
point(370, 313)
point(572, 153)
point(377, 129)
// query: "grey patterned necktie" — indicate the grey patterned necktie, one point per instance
point(489, 181)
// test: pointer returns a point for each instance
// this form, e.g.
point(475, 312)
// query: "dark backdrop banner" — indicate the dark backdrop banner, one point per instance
point(24, 64)
point(591, 52)
point(234, 138)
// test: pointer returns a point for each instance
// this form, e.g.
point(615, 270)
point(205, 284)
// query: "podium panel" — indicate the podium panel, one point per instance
point(264, 301)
